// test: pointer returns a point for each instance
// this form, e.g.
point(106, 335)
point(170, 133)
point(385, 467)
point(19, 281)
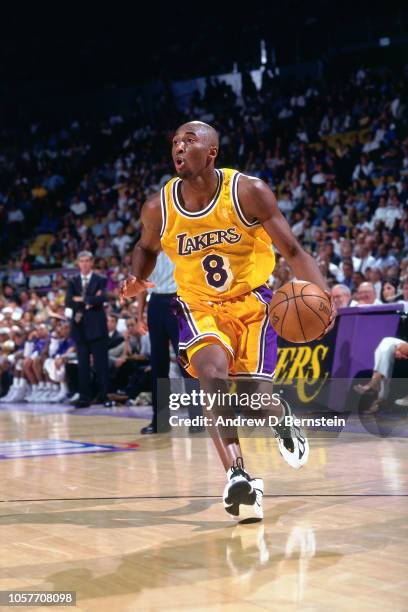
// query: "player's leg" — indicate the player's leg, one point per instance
point(242, 494)
point(211, 366)
point(257, 358)
point(292, 440)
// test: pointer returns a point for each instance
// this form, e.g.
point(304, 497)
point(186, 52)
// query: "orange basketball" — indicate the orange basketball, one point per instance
point(300, 311)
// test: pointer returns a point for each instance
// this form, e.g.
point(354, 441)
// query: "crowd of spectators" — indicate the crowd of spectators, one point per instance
point(335, 154)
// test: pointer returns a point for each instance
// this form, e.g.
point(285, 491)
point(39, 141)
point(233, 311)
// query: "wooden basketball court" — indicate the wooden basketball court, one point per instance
point(136, 523)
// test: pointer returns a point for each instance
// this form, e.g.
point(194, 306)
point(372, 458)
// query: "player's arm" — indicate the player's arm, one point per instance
point(141, 326)
point(146, 249)
point(258, 202)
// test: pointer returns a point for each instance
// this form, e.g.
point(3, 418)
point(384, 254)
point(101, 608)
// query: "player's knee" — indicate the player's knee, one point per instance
point(212, 371)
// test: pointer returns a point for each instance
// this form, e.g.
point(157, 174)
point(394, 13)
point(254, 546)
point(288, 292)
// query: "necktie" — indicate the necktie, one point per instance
point(85, 283)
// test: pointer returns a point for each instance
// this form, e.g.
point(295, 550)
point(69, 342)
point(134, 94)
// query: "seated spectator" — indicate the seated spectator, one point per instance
point(384, 259)
point(13, 385)
point(116, 342)
point(103, 250)
point(389, 290)
point(393, 212)
point(122, 241)
point(133, 365)
point(99, 226)
point(364, 169)
point(114, 224)
point(366, 259)
point(366, 295)
point(341, 295)
point(61, 350)
point(78, 207)
point(35, 353)
point(385, 354)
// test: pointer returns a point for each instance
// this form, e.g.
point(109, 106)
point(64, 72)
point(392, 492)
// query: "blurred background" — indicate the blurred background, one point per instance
point(309, 96)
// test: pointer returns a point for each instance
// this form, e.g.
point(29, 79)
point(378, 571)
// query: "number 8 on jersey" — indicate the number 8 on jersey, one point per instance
point(218, 272)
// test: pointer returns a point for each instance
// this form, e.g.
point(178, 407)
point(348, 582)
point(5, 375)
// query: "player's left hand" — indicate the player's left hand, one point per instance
point(333, 315)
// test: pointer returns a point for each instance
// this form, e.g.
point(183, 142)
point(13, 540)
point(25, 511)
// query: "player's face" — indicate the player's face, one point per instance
point(190, 153)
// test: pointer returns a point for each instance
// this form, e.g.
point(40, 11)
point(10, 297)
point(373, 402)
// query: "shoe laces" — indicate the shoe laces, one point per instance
point(238, 466)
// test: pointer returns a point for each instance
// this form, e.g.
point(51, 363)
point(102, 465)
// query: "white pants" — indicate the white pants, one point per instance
point(384, 358)
point(55, 374)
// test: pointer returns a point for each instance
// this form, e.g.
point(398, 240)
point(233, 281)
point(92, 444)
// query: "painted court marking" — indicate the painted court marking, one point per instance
point(17, 449)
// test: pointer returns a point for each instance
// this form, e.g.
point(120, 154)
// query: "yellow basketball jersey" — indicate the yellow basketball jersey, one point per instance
point(218, 254)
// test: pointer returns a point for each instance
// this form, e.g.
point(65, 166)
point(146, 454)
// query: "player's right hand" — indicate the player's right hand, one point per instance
point(141, 328)
point(132, 286)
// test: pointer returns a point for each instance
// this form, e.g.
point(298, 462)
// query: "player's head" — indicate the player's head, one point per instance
point(195, 147)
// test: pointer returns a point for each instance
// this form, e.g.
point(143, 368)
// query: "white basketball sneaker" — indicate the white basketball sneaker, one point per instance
point(292, 441)
point(242, 494)
point(11, 392)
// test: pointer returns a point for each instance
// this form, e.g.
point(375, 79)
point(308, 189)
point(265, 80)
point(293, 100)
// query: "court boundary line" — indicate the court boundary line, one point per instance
point(135, 497)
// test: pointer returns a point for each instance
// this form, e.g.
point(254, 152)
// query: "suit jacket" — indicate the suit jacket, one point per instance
point(116, 344)
point(93, 323)
point(116, 339)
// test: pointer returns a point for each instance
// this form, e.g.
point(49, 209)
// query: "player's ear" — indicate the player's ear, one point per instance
point(213, 152)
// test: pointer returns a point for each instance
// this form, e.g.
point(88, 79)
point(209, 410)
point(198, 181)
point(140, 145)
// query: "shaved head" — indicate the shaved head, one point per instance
point(202, 130)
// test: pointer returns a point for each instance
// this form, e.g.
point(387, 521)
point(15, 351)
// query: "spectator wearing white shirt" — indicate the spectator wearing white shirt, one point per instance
point(296, 190)
point(393, 212)
point(330, 193)
point(381, 211)
point(78, 207)
point(371, 144)
point(366, 295)
point(121, 241)
point(285, 113)
point(285, 203)
point(298, 223)
point(99, 226)
point(114, 224)
point(318, 177)
point(384, 259)
point(346, 250)
point(366, 259)
point(103, 250)
point(364, 169)
point(15, 215)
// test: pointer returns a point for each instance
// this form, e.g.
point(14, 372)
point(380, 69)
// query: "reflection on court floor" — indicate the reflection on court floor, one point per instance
point(146, 530)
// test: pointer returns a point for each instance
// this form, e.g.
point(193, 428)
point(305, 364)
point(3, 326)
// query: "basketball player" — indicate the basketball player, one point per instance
point(218, 227)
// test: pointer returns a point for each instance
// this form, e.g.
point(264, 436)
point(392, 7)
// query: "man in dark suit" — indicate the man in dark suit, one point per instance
point(86, 296)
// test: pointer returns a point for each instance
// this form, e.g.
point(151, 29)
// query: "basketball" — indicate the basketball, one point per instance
point(299, 311)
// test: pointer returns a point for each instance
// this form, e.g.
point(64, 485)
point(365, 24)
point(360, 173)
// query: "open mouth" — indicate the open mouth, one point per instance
point(179, 162)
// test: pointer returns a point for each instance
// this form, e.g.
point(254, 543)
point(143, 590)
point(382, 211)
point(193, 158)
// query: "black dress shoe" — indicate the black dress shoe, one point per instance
point(149, 429)
point(99, 399)
point(81, 404)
